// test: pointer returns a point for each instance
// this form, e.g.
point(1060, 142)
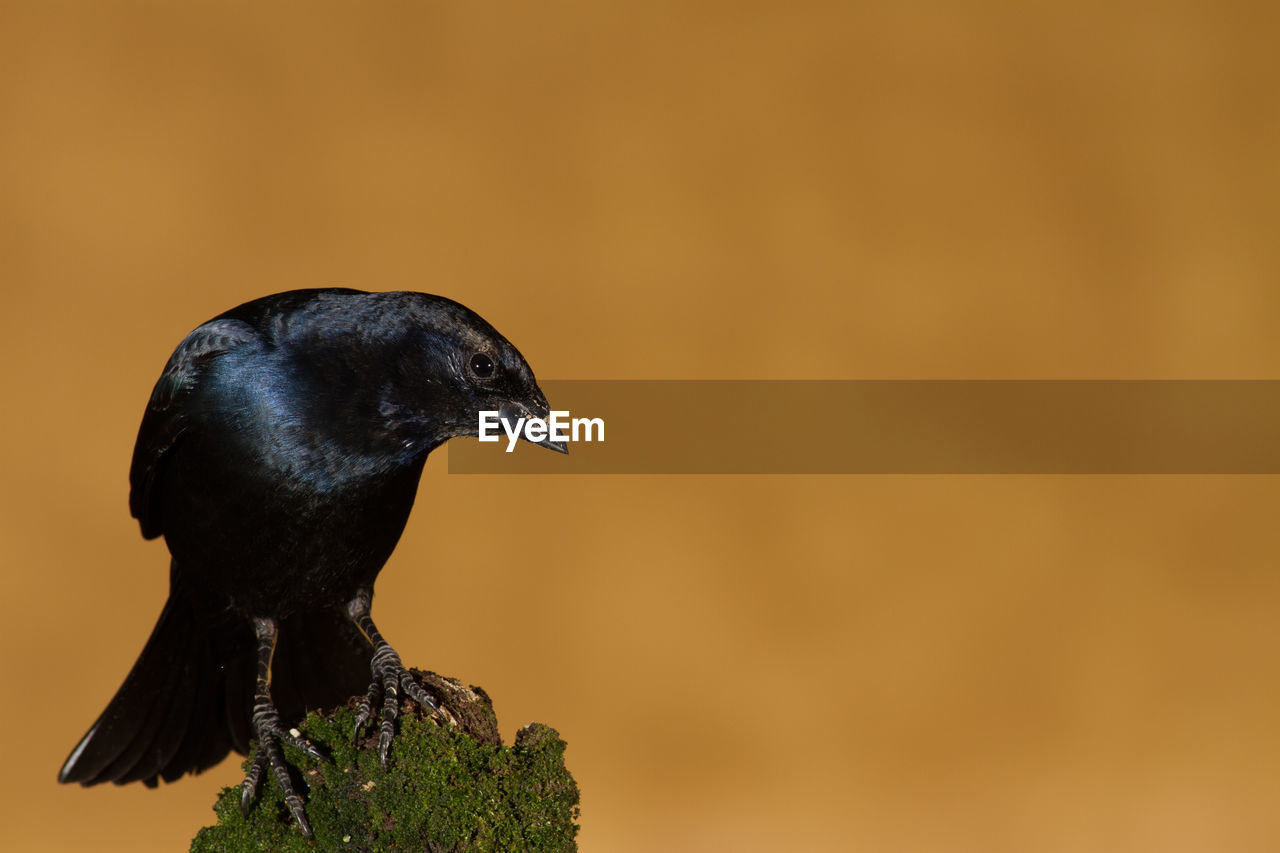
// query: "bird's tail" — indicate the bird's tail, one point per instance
point(179, 709)
point(187, 701)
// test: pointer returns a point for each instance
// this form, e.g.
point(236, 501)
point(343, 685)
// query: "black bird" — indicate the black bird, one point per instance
point(279, 457)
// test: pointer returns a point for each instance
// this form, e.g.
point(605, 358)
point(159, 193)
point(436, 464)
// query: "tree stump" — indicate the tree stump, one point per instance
point(450, 785)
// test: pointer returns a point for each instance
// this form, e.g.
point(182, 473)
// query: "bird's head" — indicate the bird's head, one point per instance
point(451, 365)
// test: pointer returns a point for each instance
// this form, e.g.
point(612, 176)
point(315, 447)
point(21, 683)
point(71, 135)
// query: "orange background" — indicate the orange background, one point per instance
point(648, 190)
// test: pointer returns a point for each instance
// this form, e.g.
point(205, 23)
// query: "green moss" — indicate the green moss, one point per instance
point(449, 786)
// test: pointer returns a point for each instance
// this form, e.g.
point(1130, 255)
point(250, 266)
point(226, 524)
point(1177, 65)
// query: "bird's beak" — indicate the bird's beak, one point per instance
point(511, 413)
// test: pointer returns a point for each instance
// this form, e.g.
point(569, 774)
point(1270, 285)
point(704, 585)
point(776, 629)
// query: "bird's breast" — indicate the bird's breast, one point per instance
point(275, 519)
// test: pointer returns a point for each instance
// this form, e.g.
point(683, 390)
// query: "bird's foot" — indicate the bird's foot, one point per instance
point(389, 678)
point(271, 734)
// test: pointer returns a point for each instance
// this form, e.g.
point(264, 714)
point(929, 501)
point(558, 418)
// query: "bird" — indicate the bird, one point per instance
point(279, 456)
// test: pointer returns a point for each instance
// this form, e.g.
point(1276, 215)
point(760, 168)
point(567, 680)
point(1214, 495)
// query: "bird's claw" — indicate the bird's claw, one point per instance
point(389, 678)
point(271, 734)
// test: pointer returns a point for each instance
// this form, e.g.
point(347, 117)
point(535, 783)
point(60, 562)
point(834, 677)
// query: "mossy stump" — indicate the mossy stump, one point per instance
point(450, 785)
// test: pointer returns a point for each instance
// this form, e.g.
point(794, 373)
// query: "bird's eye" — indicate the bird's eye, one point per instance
point(481, 365)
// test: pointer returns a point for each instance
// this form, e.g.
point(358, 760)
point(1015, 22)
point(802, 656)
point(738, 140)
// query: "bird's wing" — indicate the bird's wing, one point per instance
point(166, 419)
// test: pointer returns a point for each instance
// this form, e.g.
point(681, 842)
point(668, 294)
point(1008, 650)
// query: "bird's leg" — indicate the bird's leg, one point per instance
point(270, 732)
point(389, 677)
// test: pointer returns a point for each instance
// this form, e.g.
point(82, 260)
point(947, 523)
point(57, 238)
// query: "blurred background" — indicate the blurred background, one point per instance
point(668, 190)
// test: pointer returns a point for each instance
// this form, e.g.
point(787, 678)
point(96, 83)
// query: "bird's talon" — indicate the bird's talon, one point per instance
point(390, 679)
point(270, 755)
point(415, 691)
point(363, 711)
point(271, 734)
point(249, 788)
point(384, 747)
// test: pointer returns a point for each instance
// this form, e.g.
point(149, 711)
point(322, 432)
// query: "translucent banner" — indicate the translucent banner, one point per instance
point(896, 427)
